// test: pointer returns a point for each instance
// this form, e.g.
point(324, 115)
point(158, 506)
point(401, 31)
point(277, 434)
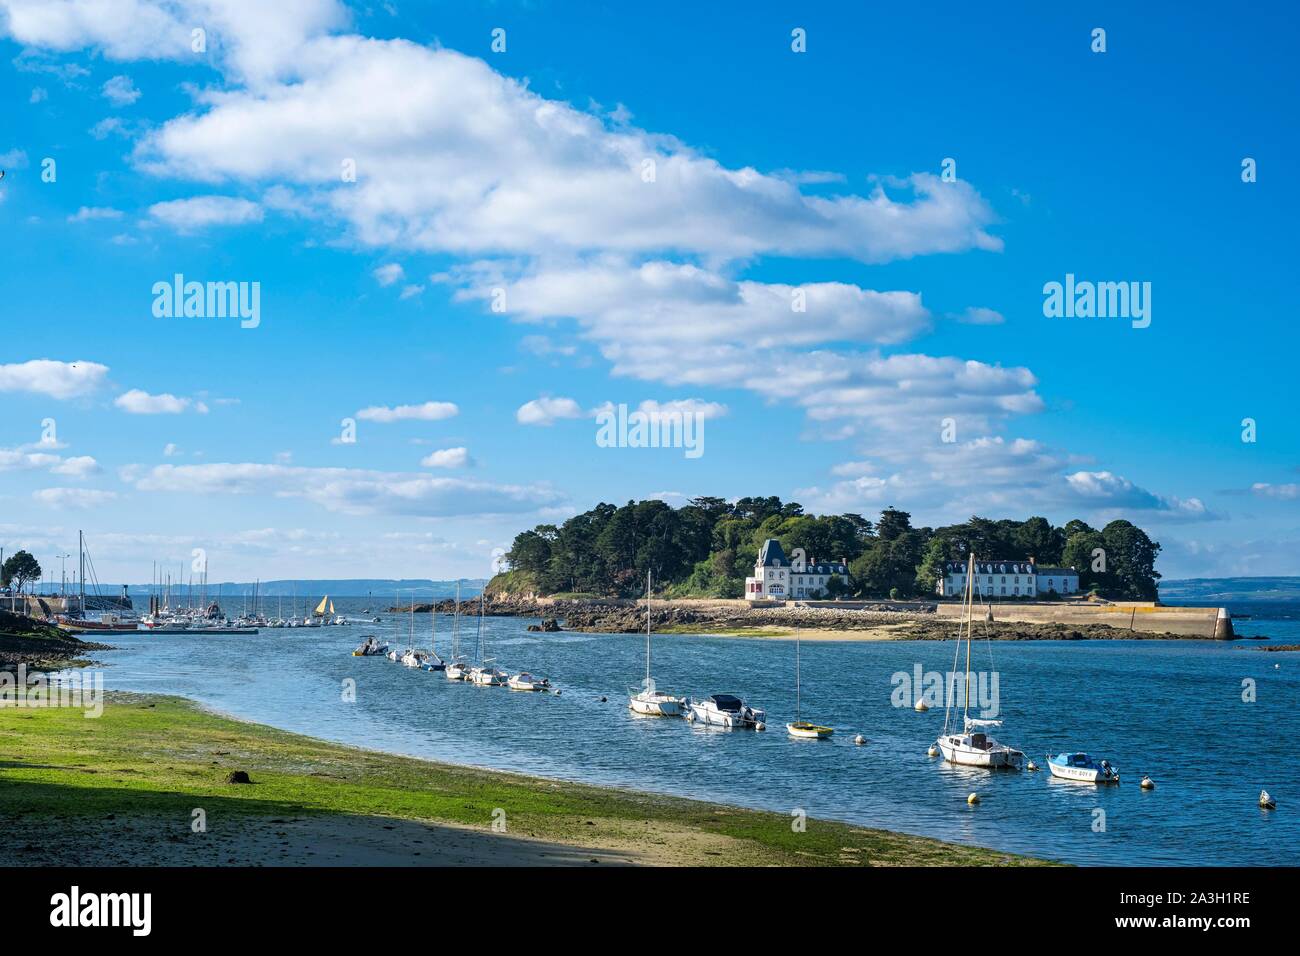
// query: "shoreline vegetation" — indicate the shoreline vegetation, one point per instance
point(724, 618)
point(707, 547)
point(131, 787)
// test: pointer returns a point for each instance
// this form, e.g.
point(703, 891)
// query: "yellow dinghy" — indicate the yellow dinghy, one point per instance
point(801, 728)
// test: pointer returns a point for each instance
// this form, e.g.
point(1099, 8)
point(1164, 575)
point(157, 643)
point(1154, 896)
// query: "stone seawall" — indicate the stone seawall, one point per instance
point(1138, 617)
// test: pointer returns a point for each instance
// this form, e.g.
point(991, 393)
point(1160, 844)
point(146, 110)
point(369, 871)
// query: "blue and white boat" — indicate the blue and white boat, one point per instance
point(1082, 767)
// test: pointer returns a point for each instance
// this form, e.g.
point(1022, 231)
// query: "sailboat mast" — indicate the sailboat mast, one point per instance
point(798, 686)
point(970, 613)
point(647, 630)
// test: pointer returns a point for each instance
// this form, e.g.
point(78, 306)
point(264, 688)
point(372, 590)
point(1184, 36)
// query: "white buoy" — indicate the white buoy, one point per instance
point(933, 751)
point(859, 740)
point(921, 707)
point(1266, 802)
point(1031, 766)
point(973, 799)
point(760, 726)
point(690, 716)
point(1147, 783)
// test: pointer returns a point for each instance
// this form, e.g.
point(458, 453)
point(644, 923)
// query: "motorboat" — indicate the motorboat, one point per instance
point(727, 710)
point(527, 681)
point(414, 658)
point(370, 647)
point(1082, 768)
point(649, 701)
point(457, 670)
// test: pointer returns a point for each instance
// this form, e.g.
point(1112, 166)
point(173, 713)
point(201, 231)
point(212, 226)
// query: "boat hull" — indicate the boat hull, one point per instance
point(998, 759)
point(1081, 774)
point(808, 731)
point(657, 707)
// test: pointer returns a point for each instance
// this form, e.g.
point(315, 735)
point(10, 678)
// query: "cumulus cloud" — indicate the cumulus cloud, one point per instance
point(95, 213)
point(427, 412)
point(77, 498)
point(388, 274)
point(447, 458)
point(120, 91)
point(139, 402)
point(199, 212)
point(547, 411)
point(349, 490)
point(980, 316)
point(53, 378)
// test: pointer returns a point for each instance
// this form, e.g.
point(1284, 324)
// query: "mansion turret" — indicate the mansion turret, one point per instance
point(777, 578)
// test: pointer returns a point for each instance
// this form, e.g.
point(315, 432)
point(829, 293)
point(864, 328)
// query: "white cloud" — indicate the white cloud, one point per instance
point(428, 412)
point(80, 466)
point(53, 378)
point(77, 498)
point(39, 95)
point(1287, 492)
point(13, 159)
point(139, 402)
point(171, 450)
point(389, 273)
point(95, 213)
point(120, 91)
point(349, 490)
point(199, 212)
point(109, 126)
point(411, 291)
point(980, 316)
point(547, 411)
point(447, 458)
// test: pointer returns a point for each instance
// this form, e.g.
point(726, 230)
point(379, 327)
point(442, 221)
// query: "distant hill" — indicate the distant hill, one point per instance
point(1210, 590)
point(337, 587)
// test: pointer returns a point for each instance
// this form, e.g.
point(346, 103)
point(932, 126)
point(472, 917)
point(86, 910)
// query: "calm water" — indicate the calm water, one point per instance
point(1169, 709)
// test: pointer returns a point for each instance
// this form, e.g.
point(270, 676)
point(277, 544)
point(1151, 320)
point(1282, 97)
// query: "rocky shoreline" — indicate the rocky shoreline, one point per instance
point(40, 646)
point(881, 620)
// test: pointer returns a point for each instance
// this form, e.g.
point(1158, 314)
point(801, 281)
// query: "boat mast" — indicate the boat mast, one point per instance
point(798, 689)
point(970, 613)
point(647, 630)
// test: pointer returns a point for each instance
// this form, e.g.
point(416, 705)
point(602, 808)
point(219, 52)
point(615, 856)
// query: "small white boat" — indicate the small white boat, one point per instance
point(415, 658)
point(527, 681)
point(1082, 768)
point(727, 710)
point(457, 670)
point(394, 655)
point(656, 703)
point(488, 676)
point(975, 748)
point(650, 702)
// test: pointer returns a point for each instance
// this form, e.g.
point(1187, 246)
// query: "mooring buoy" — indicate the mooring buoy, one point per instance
point(1147, 783)
point(973, 799)
point(921, 707)
point(1266, 802)
point(933, 751)
point(859, 740)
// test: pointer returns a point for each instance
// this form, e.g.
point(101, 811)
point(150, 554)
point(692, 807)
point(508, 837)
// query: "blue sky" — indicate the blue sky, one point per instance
point(523, 171)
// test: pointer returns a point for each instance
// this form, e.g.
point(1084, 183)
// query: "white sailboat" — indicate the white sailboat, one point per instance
point(433, 662)
point(801, 728)
point(973, 746)
point(414, 657)
point(649, 701)
point(457, 669)
point(485, 674)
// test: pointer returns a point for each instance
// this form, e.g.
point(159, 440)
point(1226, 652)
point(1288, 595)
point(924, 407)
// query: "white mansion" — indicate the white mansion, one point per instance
point(1008, 579)
point(776, 578)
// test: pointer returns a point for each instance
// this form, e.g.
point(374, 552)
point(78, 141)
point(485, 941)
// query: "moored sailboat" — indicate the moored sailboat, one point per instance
point(801, 728)
point(649, 701)
point(973, 746)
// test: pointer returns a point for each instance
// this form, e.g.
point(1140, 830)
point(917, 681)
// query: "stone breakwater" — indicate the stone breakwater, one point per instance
point(40, 646)
point(736, 617)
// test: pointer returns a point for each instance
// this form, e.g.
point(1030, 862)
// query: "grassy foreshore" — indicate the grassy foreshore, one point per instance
point(125, 788)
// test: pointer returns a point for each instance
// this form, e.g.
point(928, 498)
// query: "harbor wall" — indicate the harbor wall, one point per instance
point(1135, 616)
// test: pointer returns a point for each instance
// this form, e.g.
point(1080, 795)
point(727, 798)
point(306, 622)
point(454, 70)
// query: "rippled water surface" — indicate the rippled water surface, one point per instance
point(1171, 709)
